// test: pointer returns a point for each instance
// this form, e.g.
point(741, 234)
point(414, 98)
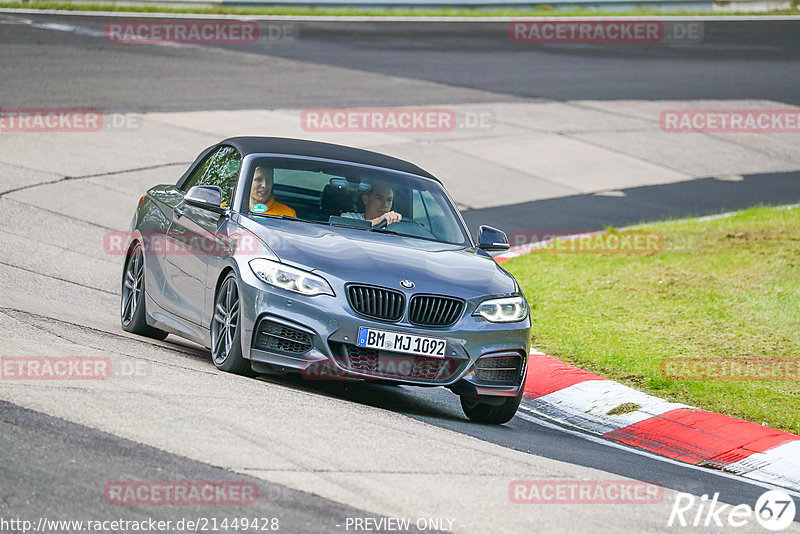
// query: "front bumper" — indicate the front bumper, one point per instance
point(316, 336)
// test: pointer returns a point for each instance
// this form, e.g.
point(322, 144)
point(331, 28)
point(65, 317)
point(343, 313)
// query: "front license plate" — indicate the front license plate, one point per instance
point(405, 343)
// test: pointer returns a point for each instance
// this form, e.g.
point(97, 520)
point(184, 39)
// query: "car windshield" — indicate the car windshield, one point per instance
point(350, 195)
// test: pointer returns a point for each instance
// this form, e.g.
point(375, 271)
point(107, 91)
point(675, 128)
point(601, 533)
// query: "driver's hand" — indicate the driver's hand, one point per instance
point(390, 217)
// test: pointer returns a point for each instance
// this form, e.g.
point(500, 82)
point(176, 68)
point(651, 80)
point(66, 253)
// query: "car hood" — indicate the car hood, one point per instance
point(384, 259)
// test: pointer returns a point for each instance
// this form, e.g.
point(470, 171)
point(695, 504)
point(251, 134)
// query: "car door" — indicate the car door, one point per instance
point(155, 224)
point(193, 239)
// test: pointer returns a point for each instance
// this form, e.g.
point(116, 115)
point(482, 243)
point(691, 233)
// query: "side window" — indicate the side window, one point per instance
point(194, 178)
point(221, 168)
point(433, 216)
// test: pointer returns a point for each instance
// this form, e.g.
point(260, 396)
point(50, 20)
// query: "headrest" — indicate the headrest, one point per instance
point(336, 200)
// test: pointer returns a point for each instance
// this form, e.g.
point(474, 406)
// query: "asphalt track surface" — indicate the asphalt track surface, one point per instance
point(59, 61)
point(735, 60)
point(51, 466)
point(73, 466)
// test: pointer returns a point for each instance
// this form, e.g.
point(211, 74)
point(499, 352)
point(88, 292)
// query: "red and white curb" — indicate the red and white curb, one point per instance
point(571, 396)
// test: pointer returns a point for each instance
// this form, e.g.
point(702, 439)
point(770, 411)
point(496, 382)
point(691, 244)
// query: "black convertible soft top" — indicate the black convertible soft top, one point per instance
point(316, 149)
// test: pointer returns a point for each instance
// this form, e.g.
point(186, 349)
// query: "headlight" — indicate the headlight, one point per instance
point(279, 275)
point(506, 310)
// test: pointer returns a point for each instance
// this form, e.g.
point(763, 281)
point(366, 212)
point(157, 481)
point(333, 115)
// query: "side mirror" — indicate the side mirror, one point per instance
point(208, 197)
point(492, 239)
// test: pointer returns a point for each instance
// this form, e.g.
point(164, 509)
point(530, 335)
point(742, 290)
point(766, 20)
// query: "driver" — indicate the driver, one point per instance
point(378, 206)
point(261, 198)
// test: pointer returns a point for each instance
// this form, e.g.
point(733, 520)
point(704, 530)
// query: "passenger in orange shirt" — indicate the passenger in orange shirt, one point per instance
point(261, 194)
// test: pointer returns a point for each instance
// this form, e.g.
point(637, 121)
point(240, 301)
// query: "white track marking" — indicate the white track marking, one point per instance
point(586, 405)
point(779, 465)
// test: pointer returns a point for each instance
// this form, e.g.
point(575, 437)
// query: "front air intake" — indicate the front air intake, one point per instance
point(275, 337)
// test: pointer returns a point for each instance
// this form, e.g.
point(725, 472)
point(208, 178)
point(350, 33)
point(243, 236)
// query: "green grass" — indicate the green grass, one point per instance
point(723, 288)
point(534, 11)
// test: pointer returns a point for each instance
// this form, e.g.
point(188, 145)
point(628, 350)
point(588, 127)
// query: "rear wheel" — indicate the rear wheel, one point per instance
point(132, 310)
point(226, 343)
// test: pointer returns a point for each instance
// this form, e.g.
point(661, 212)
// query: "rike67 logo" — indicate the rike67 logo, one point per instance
point(774, 510)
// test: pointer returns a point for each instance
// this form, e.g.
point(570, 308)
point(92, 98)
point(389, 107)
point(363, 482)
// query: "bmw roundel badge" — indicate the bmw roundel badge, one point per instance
point(408, 284)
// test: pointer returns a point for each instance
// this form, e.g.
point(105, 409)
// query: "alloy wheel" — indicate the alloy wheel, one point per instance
point(132, 285)
point(225, 322)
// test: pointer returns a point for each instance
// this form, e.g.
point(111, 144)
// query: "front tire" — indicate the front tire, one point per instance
point(482, 412)
point(132, 310)
point(496, 414)
point(226, 342)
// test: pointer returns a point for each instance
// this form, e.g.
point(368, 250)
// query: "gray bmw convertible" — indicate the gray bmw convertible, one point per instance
point(284, 255)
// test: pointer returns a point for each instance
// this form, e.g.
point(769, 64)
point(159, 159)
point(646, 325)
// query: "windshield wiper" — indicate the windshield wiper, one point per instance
point(388, 230)
point(349, 222)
